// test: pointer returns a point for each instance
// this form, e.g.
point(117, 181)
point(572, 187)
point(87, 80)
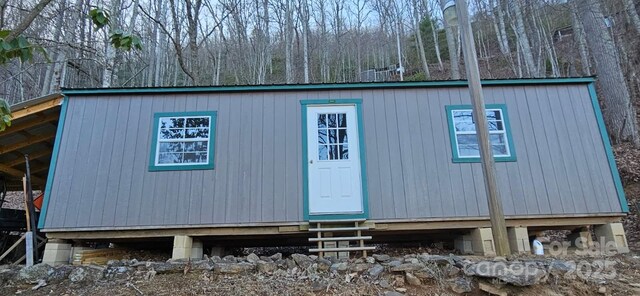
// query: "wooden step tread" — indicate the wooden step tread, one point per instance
point(339, 221)
point(342, 249)
point(343, 238)
point(338, 229)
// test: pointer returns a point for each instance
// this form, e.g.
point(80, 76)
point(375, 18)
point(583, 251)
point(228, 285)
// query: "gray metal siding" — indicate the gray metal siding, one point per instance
point(102, 177)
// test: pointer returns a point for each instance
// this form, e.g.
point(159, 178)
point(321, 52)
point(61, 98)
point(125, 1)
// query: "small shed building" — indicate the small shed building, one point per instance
point(204, 165)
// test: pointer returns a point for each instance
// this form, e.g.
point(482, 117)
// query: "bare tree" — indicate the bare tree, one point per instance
point(619, 112)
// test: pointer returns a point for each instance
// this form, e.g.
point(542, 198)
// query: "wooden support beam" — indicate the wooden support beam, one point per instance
point(16, 114)
point(17, 173)
point(12, 247)
point(29, 124)
point(27, 142)
point(32, 156)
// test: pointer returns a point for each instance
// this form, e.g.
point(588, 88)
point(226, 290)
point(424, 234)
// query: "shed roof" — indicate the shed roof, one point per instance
point(321, 86)
point(32, 132)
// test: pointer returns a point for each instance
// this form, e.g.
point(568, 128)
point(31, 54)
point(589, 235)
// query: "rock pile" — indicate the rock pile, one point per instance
point(391, 274)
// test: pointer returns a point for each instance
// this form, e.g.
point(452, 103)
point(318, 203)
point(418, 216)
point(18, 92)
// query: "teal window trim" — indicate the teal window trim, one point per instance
point(624, 204)
point(305, 161)
point(452, 134)
point(54, 161)
point(154, 142)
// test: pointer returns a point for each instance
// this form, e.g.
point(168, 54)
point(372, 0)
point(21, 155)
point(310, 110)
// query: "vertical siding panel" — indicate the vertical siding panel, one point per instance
point(563, 149)
point(420, 203)
point(405, 133)
point(243, 153)
point(387, 197)
point(579, 172)
point(280, 208)
point(233, 141)
point(131, 140)
point(397, 175)
point(100, 195)
point(443, 203)
point(140, 161)
point(458, 205)
point(196, 176)
point(551, 162)
point(223, 173)
point(517, 195)
point(150, 196)
point(605, 194)
point(532, 180)
point(80, 184)
point(210, 200)
point(159, 196)
point(65, 166)
point(291, 159)
point(257, 113)
point(115, 161)
point(268, 153)
point(432, 193)
point(369, 122)
point(465, 191)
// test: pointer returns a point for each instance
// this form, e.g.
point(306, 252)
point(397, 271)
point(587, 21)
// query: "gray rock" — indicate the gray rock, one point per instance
point(215, 259)
point(393, 263)
point(302, 260)
point(252, 258)
point(34, 273)
point(340, 267)
point(407, 267)
point(323, 264)
point(370, 260)
point(560, 267)
point(437, 259)
point(115, 263)
point(360, 267)
point(8, 273)
point(290, 263)
point(313, 257)
point(202, 265)
point(461, 285)
point(412, 279)
point(412, 260)
point(276, 256)
point(85, 274)
point(384, 284)
point(375, 271)
point(381, 257)
point(173, 266)
point(426, 273)
point(266, 267)
point(282, 263)
point(392, 293)
point(318, 286)
point(229, 259)
point(266, 259)
point(233, 268)
point(451, 271)
point(519, 274)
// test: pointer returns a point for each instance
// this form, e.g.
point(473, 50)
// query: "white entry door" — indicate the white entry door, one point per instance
point(335, 185)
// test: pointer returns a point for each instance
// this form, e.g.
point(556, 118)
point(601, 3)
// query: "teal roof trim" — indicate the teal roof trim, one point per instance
point(333, 86)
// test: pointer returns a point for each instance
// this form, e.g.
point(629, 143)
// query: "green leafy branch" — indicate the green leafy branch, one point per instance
point(18, 47)
point(118, 39)
point(5, 115)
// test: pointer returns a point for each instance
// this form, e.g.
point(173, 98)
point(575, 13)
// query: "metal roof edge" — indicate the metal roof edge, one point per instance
point(331, 86)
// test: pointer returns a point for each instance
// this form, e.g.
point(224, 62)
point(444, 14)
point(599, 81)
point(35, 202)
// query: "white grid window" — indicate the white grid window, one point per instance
point(466, 139)
point(183, 140)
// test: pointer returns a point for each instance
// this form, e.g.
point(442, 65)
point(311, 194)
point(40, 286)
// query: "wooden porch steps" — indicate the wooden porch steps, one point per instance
point(329, 239)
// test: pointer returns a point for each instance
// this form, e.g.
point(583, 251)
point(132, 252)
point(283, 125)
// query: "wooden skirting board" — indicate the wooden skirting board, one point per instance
point(539, 222)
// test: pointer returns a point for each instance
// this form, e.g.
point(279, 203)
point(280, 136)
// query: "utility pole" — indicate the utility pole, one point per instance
point(498, 225)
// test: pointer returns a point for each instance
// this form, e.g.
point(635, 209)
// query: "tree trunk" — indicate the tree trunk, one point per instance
point(288, 42)
point(579, 37)
point(416, 24)
point(619, 112)
point(523, 40)
point(453, 47)
point(633, 14)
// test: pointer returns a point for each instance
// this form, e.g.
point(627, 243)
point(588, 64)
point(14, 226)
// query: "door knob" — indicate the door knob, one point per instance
point(311, 161)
